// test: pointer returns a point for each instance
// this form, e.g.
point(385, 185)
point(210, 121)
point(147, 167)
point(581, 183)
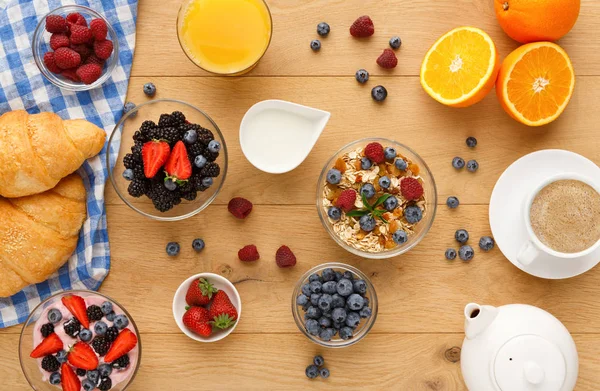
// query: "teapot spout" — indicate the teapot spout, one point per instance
point(478, 318)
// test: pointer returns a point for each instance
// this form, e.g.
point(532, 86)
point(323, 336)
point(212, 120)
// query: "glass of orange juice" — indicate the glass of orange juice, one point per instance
point(225, 37)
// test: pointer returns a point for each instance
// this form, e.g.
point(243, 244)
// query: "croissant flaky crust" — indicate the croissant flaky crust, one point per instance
point(38, 150)
point(39, 233)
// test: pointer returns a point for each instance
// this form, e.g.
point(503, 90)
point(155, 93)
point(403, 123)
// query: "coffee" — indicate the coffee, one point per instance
point(565, 216)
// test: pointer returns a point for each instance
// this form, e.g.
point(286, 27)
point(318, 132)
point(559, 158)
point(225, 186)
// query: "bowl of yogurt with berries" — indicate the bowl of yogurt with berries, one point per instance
point(79, 340)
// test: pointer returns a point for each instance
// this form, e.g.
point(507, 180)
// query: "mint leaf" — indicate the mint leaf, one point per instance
point(381, 200)
point(357, 213)
point(366, 202)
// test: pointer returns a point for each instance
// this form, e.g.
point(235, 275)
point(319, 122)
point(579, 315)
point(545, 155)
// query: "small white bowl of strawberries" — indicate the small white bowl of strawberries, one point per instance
point(207, 307)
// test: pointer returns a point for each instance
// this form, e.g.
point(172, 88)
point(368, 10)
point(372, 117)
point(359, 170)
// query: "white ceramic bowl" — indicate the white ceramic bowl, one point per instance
point(219, 282)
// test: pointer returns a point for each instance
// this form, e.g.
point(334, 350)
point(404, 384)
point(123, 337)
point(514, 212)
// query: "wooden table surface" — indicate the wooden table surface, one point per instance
point(415, 343)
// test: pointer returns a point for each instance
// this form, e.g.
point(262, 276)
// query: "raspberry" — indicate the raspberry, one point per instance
point(84, 51)
point(346, 200)
point(248, 254)
point(71, 74)
point(80, 34)
point(75, 18)
point(66, 58)
point(99, 29)
point(50, 63)
point(239, 207)
point(89, 73)
point(56, 24)
point(103, 49)
point(387, 59)
point(362, 27)
point(285, 257)
point(59, 40)
point(94, 60)
point(374, 151)
point(411, 189)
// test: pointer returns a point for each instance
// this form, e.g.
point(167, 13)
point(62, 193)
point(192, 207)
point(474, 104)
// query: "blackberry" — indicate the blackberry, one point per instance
point(80, 372)
point(111, 333)
point(190, 195)
point(211, 169)
point(162, 198)
point(177, 117)
point(47, 329)
point(121, 362)
point(72, 327)
point(50, 364)
point(165, 120)
point(105, 384)
point(101, 345)
point(138, 172)
point(205, 136)
point(137, 188)
point(94, 313)
point(139, 136)
point(146, 128)
point(195, 149)
point(169, 134)
point(129, 161)
point(211, 156)
point(136, 150)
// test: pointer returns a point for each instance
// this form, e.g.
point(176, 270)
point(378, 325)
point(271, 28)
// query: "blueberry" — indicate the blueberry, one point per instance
point(472, 165)
point(326, 334)
point(149, 89)
point(302, 300)
point(190, 137)
point(315, 45)
point(200, 161)
point(355, 302)
point(334, 213)
point(452, 202)
point(471, 142)
point(401, 164)
point(334, 176)
point(486, 243)
point(128, 107)
point(207, 181)
point(338, 301)
point(55, 378)
point(339, 315)
point(100, 328)
point(93, 376)
point(352, 319)
point(337, 325)
point(316, 287)
point(312, 326)
point(312, 371)
point(346, 333)
point(128, 174)
point(362, 76)
point(390, 203)
point(379, 93)
point(172, 249)
point(198, 244)
point(54, 316)
point(110, 316)
point(399, 237)
point(328, 275)
point(344, 287)
point(324, 372)
point(466, 253)
point(61, 356)
point(170, 184)
point(359, 286)
point(214, 146)
point(384, 182)
point(461, 236)
point(105, 370)
point(325, 302)
point(365, 163)
point(338, 276)
point(319, 361)
point(348, 275)
point(329, 287)
point(324, 322)
point(106, 307)
point(413, 214)
point(395, 42)
point(389, 153)
point(458, 163)
point(314, 277)
point(121, 322)
point(306, 289)
point(86, 334)
point(314, 299)
point(313, 312)
point(365, 312)
point(323, 29)
point(367, 223)
point(368, 190)
point(450, 254)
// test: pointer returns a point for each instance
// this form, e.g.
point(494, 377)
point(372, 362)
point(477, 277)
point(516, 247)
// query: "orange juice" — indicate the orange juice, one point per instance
point(225, 36)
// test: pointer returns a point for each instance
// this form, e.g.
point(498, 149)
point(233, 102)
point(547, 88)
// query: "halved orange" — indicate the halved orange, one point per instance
point(535, 83)
point(461, 67)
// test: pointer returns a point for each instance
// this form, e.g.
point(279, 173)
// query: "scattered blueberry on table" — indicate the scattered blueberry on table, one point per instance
point(486, 243)
point(450, 254)
point(471, 142)
point(316, 369)
point(452, 202)
point(458, 163)
point(362, 76)
point(198, 244)
point(466, 253)
point(395, 42)
point(323, 29)
point(172, 249)
point(149, 89)
point(379, 93)
point(315, 45)
point(461, 236)
point(472, 165)
point(128, 107)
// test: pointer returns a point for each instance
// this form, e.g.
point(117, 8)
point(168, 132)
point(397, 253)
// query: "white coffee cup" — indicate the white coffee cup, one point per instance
point(533, 249)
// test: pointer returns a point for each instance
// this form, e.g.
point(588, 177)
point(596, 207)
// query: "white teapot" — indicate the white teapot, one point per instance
point(517, 347)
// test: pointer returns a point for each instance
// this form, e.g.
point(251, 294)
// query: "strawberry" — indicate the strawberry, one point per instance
point(89, 73)
point(75, 18)
point(222, 311)
point(362, 27)
point(284, 257)
point(103, 49)
point(411, 189)
point(374, 151)
point(126, 340)
point(82, 356)
point(239, 207)
point(80, 34)
point(59, 40)
point(387, 59)
point(56, 24)
point(99, 29)
point(248, 254)
point(197, 320)
point(76, 306)
point(68, 379)
point(66, 58)
point(50, 63)
point(200, 292)
point(71, 74)
point(49, 345)
point(154, 155)
point(346, 200)
point(178, 165)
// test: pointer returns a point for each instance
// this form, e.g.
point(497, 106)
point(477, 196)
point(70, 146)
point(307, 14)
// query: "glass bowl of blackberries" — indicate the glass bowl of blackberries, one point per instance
point(334, 305)
point(167, 159)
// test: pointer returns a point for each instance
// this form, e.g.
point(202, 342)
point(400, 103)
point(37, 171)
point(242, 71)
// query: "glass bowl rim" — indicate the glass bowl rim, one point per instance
point(373, 301)
point(75, 291)
point(112, 178)
point(383, 254)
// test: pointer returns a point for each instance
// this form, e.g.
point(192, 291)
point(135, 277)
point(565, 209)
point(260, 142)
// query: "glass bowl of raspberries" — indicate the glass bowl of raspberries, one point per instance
point(334, 305)
point(377, 198)
point(171, 161)
point(75, 48)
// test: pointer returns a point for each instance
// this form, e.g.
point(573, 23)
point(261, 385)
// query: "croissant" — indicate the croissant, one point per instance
point(39, 233)
point(38, 150)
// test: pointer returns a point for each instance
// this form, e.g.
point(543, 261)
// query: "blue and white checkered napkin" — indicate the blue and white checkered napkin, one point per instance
point(22, 86)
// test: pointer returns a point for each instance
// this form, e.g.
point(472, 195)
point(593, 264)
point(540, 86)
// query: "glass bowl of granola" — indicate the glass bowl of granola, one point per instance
point(377, 198)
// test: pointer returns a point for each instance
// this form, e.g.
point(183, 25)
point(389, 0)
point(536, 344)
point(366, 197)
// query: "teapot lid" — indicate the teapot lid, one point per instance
point(529, 362)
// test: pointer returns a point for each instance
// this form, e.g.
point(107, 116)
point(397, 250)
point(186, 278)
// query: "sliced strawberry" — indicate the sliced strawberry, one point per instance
point(68, 379)
point(76, 306)
point(82, 356)
point(178, 166)
point(125, 341)
point(154, 155)
point(50, 345)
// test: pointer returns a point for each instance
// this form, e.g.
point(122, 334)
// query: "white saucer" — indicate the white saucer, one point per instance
point(506, 209)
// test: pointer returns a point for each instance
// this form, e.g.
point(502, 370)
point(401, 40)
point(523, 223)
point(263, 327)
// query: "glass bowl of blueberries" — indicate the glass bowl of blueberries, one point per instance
point(334, 305)
point(167, 160)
